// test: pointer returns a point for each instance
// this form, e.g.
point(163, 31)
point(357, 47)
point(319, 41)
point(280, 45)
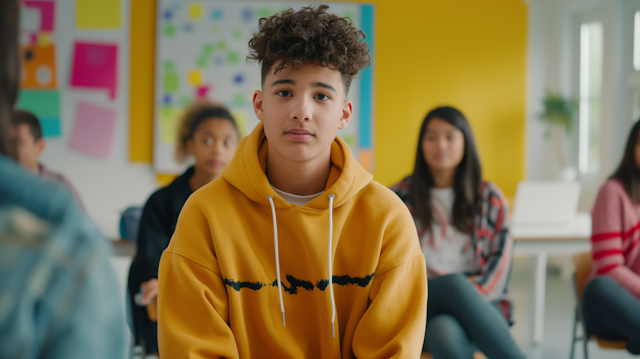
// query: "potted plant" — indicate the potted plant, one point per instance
point(560, 115)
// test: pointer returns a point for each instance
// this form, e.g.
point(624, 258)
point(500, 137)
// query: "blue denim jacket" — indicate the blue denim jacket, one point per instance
point(59, 296)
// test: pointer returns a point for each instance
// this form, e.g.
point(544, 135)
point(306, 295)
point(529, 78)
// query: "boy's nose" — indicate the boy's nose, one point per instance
point(301, 110)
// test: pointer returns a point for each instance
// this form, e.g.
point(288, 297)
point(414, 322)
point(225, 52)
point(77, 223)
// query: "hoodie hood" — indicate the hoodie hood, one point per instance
point(246, 172)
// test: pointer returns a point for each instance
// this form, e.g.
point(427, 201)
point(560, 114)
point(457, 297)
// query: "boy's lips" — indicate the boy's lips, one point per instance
point(298, 134)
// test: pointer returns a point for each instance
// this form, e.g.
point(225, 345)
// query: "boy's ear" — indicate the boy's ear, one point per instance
point(347, 112)
point(257, 104)
point(39, 146)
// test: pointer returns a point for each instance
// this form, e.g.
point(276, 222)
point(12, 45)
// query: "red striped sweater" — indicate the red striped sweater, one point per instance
point(615, 235)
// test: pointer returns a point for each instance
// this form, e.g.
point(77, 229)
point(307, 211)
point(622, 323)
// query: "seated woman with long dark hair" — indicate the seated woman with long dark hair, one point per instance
point(611, 302)
point(463, 226)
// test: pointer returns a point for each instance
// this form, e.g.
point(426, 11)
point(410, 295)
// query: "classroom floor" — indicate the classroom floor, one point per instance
point(558, 321)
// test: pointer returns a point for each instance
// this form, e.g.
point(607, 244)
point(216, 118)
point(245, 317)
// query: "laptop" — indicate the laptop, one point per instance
point(545, 204)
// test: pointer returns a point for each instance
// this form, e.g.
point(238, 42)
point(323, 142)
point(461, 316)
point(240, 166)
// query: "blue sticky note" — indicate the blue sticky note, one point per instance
point(217, 14)
point(46, 106)
point(50, 127)
point(168, 15)
point(247, 14)
point(238, 79)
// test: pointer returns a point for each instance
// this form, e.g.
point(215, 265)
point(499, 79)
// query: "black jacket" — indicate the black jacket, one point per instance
point(158, 222)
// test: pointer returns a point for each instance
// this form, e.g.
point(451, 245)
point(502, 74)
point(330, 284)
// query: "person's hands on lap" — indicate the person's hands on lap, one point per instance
point(149, 291)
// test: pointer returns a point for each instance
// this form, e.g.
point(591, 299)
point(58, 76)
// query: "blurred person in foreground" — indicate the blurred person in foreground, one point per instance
point(59, 297)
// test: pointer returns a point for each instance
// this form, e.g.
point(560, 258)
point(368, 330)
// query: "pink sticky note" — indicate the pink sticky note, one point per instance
point(202, 91)
point(95, 66)
point(47, 10)
point(93, 130)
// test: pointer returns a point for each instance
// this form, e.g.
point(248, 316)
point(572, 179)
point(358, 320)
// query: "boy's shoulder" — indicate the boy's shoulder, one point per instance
point(381, 197)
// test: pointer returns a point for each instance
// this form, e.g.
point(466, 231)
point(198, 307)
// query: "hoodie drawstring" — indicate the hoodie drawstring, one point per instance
point(333, 302)
point(275, 239)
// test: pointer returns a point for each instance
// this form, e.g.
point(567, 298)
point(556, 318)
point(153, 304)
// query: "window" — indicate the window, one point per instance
point(636, 41)
point(590, 96)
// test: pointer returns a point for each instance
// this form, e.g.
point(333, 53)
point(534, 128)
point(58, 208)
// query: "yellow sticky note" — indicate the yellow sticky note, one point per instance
point(98, 14)
point(169, 117)
point(195, 77)
point(44, 39)
point(195, 11)
point(242, 120)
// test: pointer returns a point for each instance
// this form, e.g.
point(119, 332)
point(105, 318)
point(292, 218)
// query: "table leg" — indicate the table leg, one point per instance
point(539, 290)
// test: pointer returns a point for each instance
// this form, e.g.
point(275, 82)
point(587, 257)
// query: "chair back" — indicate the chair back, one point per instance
point(130, 223)
point(583, 263)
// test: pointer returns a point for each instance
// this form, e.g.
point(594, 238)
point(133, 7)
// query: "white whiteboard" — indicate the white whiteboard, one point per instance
point(204, 44)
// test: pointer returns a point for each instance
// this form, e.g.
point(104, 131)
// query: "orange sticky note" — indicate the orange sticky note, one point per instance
point(38, 67)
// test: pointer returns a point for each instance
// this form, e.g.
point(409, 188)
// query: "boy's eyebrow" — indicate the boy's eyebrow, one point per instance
point(324, 85)
point(315, 84)
point(283, 81)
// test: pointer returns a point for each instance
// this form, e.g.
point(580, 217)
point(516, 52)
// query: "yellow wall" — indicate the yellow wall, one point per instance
point(142, 65)
point(466, 53)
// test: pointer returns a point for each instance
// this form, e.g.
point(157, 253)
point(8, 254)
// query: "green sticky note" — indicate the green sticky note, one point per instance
point(202, 61)
point(238, 34)
point(169, 118)
point(168, 65)
point(207, 49)
point(46, 106)
point(349, 139)
point(185, 101)
point(215, 29)
point(238, 99)
point(264, 12)
point(233, 57)
point(171, 82)
point(169, 30)
point(222, 45)
point(350, 14)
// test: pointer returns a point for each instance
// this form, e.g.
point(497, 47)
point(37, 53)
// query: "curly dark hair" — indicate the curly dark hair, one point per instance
point(310, 36)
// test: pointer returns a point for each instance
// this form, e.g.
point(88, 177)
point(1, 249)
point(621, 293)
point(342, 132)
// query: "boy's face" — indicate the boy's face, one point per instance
point(302, 111)
point(27, 148)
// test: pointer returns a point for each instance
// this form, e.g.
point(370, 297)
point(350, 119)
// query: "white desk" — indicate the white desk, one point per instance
point(542, 241)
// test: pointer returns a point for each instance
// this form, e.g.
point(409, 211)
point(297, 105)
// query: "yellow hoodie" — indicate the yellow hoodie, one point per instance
point(219, 294)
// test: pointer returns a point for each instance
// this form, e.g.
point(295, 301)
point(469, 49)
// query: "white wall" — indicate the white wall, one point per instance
point(552, 57)
point(107, 187)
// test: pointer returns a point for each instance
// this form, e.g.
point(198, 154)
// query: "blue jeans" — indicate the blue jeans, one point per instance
point(611, 312)
point(460, 322)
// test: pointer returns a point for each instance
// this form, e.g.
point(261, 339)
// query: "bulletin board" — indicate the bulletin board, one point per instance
point(75, 79)
point(201, 53)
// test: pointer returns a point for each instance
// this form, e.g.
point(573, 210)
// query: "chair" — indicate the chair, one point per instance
point(583, 263)
point(427, 355)
point(130, 223)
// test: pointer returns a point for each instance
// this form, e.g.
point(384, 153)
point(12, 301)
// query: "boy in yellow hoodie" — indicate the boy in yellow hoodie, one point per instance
point(295, 252)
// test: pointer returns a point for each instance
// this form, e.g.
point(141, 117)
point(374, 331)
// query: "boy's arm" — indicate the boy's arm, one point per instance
point(394, 324)
point(193, 307)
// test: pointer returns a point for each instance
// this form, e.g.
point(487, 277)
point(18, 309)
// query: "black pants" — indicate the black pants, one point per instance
point(611, 312)
point(460, 321)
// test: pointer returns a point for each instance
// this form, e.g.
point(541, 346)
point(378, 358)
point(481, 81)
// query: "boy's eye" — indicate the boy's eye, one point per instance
point(227, 143)
point(322, 97)
point(208, 141)
point(283, 93)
